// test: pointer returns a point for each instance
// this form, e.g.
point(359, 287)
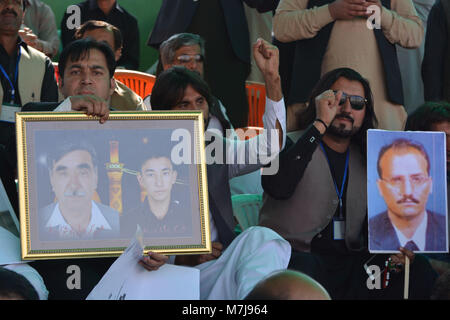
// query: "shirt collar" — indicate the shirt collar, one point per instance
point(98, 222)
point(418, 237)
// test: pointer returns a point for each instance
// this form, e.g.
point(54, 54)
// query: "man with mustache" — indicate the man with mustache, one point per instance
point(123, 98)
point(188, 50)
point(75, 215)
point(318, 200)
point(405, 184)
point(26, 75)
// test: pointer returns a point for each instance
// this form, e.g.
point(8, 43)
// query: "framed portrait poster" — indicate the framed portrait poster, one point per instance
point(84, 187)
point(407, 191)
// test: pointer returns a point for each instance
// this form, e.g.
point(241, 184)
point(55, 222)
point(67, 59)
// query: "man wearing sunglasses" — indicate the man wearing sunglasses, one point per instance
point(405, 184)
point(318, 200)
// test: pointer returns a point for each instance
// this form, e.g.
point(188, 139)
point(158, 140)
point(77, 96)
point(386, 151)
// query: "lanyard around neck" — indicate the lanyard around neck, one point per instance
point(341, 192)
point(13, 90)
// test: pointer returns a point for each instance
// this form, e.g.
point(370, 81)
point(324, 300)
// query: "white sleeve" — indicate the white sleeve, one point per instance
point(246, 156)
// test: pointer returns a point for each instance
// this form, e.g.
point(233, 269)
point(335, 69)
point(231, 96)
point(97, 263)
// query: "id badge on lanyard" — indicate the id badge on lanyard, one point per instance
point(8, 113)
point(339, 221)
point(338, 229)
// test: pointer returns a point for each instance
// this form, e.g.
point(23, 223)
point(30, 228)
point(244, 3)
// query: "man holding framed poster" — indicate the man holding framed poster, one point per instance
point(414, 219)
point(85, 88)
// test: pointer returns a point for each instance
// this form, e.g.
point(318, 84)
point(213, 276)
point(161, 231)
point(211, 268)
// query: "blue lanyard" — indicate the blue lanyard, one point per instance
point(339, 194)
point(13, 91)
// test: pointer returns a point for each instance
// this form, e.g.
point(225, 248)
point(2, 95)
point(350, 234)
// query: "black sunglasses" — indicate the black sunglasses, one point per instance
point(357, 102)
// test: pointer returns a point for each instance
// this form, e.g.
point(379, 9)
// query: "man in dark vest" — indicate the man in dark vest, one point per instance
point(332, 34)
point(318, 199)
point(436, 61)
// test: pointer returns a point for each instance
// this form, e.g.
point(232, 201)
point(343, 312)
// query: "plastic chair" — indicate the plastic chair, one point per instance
point(139, 82)
point(246, 209)
point(55, 66)
point(256, 94)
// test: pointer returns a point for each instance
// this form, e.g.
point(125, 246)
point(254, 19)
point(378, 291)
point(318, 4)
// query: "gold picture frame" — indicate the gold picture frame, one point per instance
point(55, 190)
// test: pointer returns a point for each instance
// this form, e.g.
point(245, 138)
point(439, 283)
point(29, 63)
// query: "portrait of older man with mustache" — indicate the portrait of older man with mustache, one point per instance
point(74, 214)
point(405, 184)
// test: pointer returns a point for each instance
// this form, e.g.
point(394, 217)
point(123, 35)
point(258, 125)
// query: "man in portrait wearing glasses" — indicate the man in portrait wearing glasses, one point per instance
point(405, 184)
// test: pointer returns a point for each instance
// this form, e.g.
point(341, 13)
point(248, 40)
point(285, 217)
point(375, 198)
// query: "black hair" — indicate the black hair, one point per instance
point(14, 285)
point(170, 86)
point(402, 144)
point(97, 24)
point(325, 83)
point(154, 153)
point(428, 114)
point(68, 146)
point(79, 49)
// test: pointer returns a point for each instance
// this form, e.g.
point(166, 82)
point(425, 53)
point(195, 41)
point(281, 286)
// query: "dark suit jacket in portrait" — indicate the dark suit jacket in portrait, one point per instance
point(111, 216)
point(382, 235)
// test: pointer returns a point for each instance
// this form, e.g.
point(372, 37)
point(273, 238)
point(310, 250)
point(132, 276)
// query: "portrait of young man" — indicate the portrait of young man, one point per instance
point(74, 215)
point(164, 211)
point(413, 219)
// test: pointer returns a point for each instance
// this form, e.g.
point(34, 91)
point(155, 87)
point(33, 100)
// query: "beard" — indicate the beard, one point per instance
point(340, 130)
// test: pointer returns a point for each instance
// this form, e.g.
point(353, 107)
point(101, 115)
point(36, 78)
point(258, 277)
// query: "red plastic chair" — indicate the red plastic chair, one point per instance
point(55, 66)
point(256, 94)
point(139, 82)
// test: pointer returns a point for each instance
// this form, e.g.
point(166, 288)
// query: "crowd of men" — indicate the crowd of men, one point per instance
point(333, 76)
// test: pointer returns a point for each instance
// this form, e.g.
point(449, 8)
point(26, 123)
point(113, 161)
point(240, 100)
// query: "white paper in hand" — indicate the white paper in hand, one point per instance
point(127, 280)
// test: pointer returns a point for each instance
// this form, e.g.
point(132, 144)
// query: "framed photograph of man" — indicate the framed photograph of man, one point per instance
point(407, 191)
point(84, 187)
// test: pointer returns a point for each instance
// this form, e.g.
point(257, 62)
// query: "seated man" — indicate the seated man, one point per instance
point(75, 215)
point(86, 69)
point(123, 97)
point(26, 75)
point(235, 264)
point(188, 50)
point(163, 211)
point(317, 200)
